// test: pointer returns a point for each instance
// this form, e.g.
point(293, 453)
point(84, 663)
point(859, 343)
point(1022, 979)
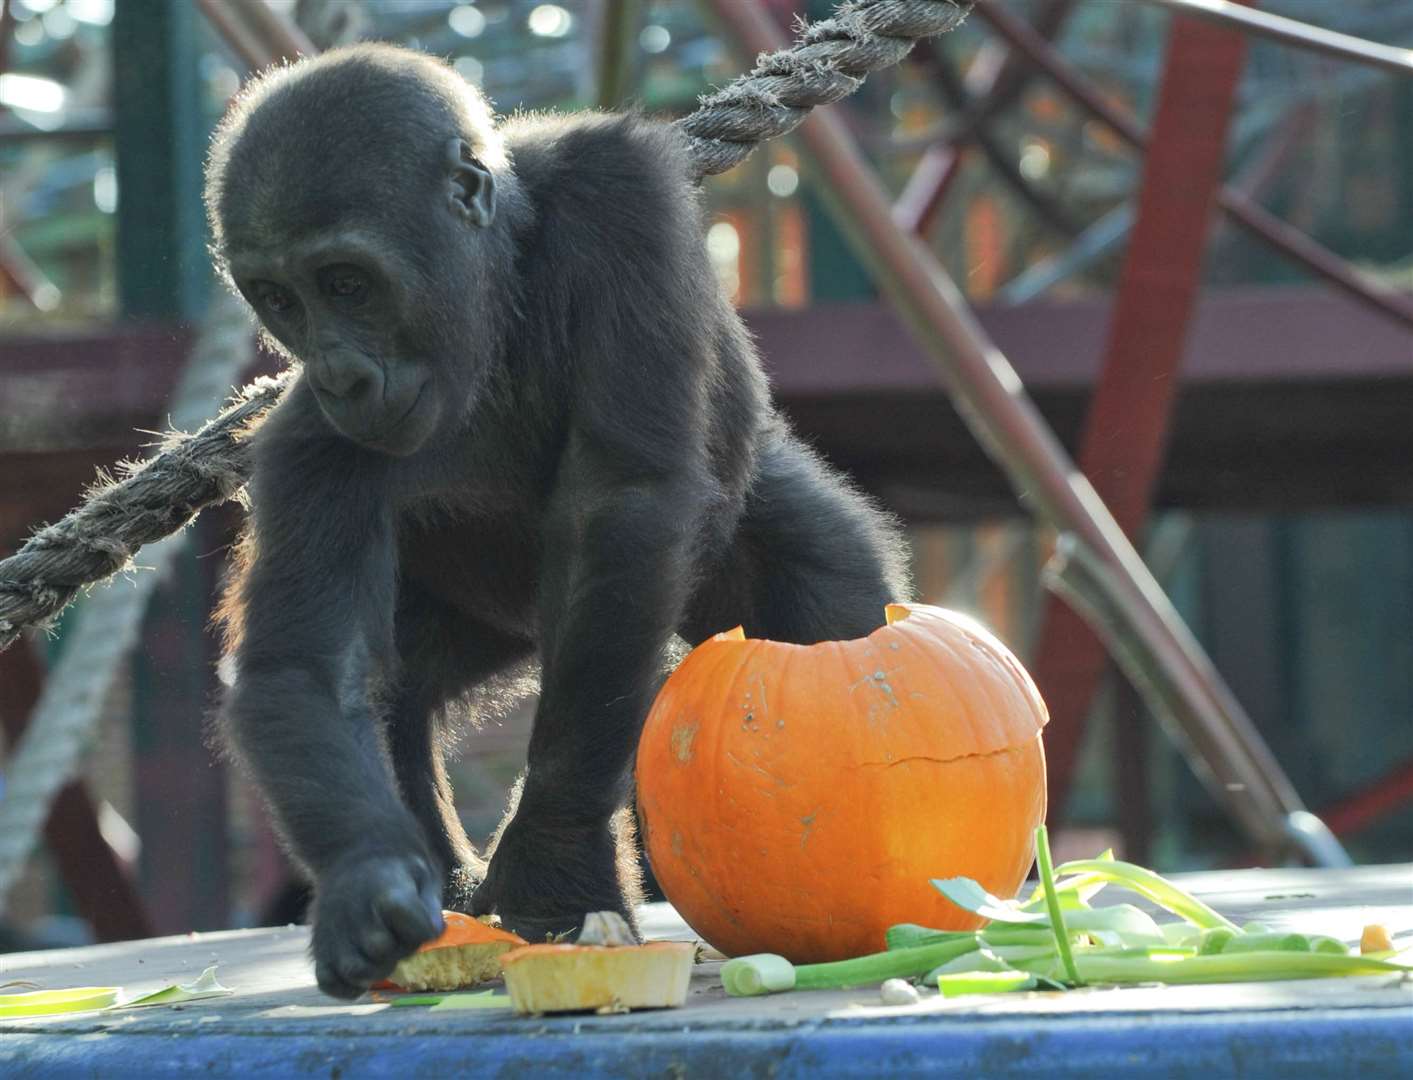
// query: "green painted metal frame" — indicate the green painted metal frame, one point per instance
point(160, 144)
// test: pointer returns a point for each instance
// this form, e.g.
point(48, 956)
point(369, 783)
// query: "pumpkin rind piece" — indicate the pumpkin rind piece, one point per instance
point(574, 978)
point(465, 954)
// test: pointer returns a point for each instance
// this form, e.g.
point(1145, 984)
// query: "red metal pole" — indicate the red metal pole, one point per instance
point(1127, 428)
point(926, 190)
point(1390, 791)
point(992, 400)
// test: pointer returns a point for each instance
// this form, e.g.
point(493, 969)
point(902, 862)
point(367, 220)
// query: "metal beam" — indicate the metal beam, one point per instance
point(615, 31)
point(1293, 32)
point(920, 202)
point(1392, 790)
point(1284, 237)
point(258, 35)
point(7, 36)
point(160, 142)
point(1049, 209)
point(1126, 432)
point(991, 399)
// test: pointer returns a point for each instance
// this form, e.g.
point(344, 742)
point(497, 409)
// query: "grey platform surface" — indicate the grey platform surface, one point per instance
point(278, 1024)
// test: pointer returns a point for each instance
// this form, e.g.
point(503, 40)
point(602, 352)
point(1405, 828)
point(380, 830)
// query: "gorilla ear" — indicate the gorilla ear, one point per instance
point(470, 186)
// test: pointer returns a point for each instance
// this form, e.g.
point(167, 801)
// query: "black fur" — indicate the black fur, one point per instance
point(534, 434)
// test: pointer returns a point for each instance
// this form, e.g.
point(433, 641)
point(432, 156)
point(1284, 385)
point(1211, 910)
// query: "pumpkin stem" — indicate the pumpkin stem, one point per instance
point(736, 633)
point(896, 612)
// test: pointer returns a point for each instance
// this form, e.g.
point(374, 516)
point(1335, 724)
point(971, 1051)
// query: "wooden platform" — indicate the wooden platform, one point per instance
point(278, 1024)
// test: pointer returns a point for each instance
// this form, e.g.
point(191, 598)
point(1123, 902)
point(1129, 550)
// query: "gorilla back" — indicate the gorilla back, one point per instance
point(529, 426)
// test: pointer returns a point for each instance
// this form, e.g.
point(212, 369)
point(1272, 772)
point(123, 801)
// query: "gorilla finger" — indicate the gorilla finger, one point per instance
point(431, 895)
point(336, 985)
point(406, 917)
point(375, 942)
point(357, 968)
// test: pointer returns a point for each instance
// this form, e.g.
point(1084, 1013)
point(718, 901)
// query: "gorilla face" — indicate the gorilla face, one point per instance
point(337, 302)
point(366, 240)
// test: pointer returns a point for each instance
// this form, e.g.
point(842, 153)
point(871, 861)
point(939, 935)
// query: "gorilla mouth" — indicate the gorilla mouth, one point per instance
point(393, 437)
point(398, 437)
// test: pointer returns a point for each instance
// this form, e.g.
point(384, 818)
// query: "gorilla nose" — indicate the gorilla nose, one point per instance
point(350, 379)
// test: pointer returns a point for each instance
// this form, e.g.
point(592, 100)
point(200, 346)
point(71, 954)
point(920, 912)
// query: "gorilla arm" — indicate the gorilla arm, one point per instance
point(621, 540)
point(315, 625)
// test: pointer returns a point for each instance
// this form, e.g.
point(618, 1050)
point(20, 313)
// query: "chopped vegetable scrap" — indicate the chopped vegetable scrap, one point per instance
point(1055, 940)
point(467, 952)
point(92, 998)
point(604, 971)
point(205, 986)
point(54, 1002)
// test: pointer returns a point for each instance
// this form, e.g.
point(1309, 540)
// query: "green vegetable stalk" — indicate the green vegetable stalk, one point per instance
point(1055, 939)
point(766, 973)
point(1052, 902)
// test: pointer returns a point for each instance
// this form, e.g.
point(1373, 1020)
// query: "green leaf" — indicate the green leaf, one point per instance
point(476, 999)
point(1001, 958)
point(54, 1002)
point(205, 986)
point(1133, 926)
point(1180, 933)
point(969, 896)
point(1016, 934)
point(1075, 892)
point(1155, 887)
point(893, 964)
point(1214, 939)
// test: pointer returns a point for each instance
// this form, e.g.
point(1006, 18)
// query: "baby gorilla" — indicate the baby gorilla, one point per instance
point(527, 426)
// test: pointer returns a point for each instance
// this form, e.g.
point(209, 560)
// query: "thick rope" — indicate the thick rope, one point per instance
point(156, 499)
point(828, 62)
point(163, 495)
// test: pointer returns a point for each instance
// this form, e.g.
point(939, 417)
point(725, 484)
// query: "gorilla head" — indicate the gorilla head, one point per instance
point(354, 203)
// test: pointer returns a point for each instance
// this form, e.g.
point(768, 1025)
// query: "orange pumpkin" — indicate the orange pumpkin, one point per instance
point(797, 799)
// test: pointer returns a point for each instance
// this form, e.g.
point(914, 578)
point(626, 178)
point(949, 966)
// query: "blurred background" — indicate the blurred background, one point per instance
point(1281, 519)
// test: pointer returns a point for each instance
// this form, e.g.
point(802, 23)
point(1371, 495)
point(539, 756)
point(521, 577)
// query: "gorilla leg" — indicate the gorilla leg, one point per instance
point(812, 559)
point(443, 655)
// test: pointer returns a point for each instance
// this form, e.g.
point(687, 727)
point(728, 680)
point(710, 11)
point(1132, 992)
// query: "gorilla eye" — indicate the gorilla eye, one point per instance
point(273, 298)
